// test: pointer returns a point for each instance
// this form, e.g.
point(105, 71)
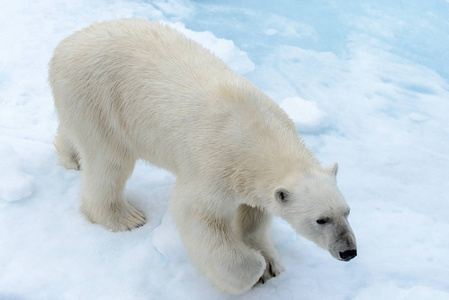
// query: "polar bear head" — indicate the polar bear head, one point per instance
point(317, 210)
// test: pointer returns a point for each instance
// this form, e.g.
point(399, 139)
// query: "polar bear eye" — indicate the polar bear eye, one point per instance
point(322, 221)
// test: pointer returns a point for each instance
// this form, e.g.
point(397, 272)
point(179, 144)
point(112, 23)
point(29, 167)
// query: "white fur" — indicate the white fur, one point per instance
point(134, 89)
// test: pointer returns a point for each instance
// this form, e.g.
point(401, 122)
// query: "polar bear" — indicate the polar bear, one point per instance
point(134, 89)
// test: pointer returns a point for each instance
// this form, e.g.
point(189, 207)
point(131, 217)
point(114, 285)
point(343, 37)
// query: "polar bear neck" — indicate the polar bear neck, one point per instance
point(266, 148)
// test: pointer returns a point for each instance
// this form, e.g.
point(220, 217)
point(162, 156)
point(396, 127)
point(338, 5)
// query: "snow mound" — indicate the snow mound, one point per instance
point(14, 183)
point(306, 115)
point(235, 58)
point(167, 242)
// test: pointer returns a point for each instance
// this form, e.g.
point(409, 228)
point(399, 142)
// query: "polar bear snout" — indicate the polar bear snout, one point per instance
point(344, 246)
point(348, 254)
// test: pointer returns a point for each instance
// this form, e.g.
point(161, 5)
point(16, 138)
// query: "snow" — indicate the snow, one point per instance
point(235, 58)
point(305, 114)
point(366, 82)
point(14, 183)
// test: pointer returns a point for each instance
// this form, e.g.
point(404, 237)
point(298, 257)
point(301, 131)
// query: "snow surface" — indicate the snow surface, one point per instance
point(367, 83)
point(306, 114)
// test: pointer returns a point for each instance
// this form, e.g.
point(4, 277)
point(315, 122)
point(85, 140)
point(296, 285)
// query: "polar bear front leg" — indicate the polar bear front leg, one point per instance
point(252, 225)
point(207, 234)
point(104, 177)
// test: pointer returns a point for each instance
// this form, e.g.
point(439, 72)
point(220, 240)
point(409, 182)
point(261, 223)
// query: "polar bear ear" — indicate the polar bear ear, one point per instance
point(282, 195)
point(332, 170)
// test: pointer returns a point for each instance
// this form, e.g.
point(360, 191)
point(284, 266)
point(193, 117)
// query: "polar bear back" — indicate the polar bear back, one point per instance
point(145, 87)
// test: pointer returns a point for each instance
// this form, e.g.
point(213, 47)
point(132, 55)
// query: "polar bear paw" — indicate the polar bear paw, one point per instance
point(129, 218)
point(117, 218)
point(273, 268)
point(71, 163)
point(245, 274)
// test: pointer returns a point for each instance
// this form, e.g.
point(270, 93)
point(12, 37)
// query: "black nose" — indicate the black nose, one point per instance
point(348, 254)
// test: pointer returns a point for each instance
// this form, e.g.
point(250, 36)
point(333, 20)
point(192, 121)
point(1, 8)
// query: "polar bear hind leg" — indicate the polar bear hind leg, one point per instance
point(252, 225)
point(105, 172)
point(68, 155)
